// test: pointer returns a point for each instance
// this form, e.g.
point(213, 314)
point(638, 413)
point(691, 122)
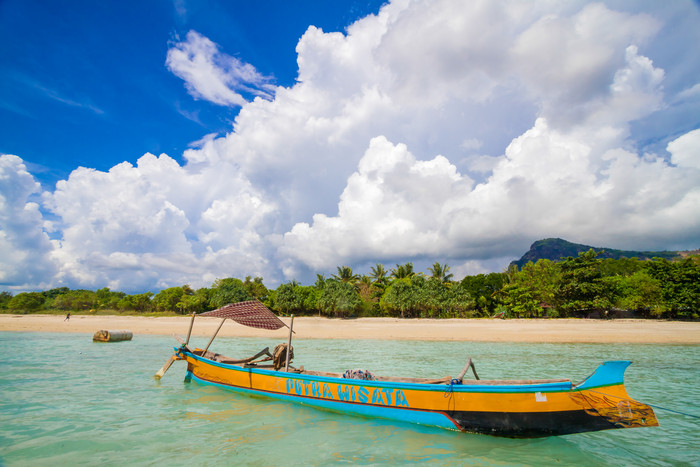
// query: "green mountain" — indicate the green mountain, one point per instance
point(555, 248)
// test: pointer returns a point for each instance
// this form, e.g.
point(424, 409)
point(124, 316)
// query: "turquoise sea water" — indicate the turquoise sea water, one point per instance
point(65, 400)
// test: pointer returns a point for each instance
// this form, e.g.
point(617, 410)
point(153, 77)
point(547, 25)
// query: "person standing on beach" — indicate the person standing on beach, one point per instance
point(67, 316)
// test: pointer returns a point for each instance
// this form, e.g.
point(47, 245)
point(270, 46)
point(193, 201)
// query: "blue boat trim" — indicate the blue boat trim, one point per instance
point(607, 374)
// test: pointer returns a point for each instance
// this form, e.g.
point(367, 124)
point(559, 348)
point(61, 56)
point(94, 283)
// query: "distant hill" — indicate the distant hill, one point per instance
point(555, 248)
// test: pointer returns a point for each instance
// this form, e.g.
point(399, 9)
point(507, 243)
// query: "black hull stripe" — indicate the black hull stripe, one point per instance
point(530, 424)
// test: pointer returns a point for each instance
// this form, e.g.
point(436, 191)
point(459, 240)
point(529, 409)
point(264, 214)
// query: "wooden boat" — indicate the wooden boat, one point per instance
point(514, 408)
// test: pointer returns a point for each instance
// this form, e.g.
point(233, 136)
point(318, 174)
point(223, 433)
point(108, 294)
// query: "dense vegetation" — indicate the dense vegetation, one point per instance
point(586, 285)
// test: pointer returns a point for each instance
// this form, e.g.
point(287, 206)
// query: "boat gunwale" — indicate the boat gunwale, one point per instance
point(469, 386)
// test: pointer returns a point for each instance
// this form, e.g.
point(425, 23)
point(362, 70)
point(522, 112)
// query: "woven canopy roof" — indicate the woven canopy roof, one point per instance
point(251, 313)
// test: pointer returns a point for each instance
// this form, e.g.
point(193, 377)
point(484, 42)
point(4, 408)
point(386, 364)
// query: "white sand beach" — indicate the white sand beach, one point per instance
point(477, 330)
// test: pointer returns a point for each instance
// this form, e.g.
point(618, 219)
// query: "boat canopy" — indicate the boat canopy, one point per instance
point(251, 313)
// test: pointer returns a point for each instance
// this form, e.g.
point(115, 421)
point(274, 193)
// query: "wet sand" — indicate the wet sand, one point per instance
point(477, 330)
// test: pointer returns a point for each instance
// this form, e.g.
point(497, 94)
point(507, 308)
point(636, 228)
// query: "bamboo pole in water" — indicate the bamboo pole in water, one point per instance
point(165, 367)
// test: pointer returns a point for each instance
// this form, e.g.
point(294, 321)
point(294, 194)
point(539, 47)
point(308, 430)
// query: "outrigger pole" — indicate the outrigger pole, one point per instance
point(162, 371)
point(170, 361)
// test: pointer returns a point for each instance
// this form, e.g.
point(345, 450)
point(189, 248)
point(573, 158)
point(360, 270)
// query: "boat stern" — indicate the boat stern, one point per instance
point(603, 394)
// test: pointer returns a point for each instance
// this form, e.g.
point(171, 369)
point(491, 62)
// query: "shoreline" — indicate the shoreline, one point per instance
point(632, 331)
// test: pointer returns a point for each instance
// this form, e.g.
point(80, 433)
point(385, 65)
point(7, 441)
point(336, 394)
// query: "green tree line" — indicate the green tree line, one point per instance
point(574, 287)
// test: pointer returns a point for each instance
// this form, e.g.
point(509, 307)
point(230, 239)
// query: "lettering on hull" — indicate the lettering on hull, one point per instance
point(347, 393)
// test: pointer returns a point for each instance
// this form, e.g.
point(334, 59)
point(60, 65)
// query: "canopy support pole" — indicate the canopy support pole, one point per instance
point(189, 332)
point(289, 345)
point(212, 337)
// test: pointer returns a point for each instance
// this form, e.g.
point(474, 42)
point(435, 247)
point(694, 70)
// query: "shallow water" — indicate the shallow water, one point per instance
point(68, 401)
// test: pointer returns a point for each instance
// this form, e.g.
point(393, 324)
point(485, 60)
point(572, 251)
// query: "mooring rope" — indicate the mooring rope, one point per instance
point(650, 405)
point(674, 411)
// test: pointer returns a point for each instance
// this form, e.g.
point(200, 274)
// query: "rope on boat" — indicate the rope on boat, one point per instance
point(449, 388)
point(650, 405)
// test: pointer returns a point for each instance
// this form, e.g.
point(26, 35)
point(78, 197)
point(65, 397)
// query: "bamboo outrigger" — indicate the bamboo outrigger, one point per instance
point(515, 408)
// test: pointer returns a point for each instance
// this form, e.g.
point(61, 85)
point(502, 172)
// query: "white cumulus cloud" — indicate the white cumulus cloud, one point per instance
point(215, 76)
point(25, 248)
point(548, 183)
point(158, 223)
point(433, 130)
point(393, 206)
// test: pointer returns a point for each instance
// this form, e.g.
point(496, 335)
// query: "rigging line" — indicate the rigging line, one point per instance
point(674, 411)
point(650, 405)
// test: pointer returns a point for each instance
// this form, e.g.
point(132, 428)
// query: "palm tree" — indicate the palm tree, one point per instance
point(345, 274)
point(379, 274)
point(440, 272)
point(403, 271)
point(320, 281)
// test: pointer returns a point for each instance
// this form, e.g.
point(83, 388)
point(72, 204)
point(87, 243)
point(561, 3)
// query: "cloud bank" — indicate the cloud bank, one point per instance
point(433, 130)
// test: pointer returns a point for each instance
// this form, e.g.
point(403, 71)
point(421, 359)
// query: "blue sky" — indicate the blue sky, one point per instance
point(150, 144)
point(92, 74)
